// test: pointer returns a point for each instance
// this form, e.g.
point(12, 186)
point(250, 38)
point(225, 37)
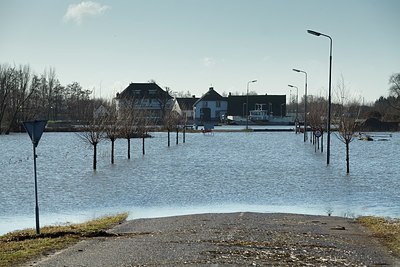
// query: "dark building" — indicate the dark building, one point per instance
point(146, 97)
point(275, 104)
point(143, 91)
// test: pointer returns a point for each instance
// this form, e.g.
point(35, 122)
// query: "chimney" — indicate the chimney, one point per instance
point(211, 88)
point(193, 96)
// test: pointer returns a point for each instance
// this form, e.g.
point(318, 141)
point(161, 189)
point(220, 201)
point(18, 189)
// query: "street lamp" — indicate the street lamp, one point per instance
point(247, 104)
point(305, 104)
point(297, 100)
point(328, 151)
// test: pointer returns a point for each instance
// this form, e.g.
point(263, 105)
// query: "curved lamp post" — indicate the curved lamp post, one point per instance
point(305, 104)
point(328, 150)
point(247, 104)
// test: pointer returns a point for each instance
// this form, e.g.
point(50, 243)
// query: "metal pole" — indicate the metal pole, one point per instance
point(297, 103)
point(322, 142)
point(35, 130)
point(247, 103)
point(247, 107)
point(305, 110)
point(36, 191)
point(305, 104)
point(297, 106)
point(328, 150)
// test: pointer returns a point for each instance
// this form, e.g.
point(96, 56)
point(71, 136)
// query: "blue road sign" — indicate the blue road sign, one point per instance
point(317, 133)
point(35, 130)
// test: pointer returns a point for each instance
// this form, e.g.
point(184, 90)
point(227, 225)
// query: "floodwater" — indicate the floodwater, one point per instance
point(224, 172)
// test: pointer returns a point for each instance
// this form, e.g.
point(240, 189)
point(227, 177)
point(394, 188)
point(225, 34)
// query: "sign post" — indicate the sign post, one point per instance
point(35, 130)
point(319, 133)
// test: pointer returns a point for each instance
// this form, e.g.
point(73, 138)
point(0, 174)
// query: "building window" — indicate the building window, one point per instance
point(218, 104)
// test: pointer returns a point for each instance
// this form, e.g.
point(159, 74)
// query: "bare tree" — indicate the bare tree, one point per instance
point(164, 98)
point(93, 133)
point(172, 121)
point(394, 82)
point(15, 90)
point(394, 91)
point(346, 116)
point(21, 93)
point(144, 121)
point(317, 117)
point(111, 128)
point(129, 116)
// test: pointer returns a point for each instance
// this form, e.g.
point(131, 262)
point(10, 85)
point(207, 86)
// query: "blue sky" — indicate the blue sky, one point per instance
point(189, 45)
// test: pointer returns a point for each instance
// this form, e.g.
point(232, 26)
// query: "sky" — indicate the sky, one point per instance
point(190, 45)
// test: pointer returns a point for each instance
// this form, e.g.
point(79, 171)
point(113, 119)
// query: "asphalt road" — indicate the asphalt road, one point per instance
point(240, 239)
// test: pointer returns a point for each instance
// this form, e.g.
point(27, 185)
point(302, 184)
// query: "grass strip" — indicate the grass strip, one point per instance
point(386, 230)
point(21, 246)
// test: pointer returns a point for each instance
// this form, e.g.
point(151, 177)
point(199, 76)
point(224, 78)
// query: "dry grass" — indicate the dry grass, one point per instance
point(386, 230)
point(21, 246)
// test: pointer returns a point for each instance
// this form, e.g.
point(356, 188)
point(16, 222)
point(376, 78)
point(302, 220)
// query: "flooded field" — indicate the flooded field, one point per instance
point(224, 172)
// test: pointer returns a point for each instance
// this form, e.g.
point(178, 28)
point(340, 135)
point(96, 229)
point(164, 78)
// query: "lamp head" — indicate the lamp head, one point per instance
point(253, 81)
point(296, 70)
point(314, 33)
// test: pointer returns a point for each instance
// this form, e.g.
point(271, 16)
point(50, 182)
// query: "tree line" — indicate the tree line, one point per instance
point(129, 122)
point(25, 95)
point(385, 108)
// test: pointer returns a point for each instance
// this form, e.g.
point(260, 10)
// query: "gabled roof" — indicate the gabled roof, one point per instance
point(211, 95)
point(186, 103)
point(143, 90)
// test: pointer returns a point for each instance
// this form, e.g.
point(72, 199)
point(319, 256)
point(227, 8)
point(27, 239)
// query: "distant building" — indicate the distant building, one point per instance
point(274, 104)
point(211, 107)
point(145, 97)
point(184, 106)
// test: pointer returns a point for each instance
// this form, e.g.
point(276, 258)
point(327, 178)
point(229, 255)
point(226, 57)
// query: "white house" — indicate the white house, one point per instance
point(210, 107)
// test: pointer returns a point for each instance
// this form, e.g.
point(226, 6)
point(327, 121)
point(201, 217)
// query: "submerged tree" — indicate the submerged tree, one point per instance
point(111, 128)
point(144, 121)
point(92, 133)
point(346, 115)
point(128, 116)
point(172, 120)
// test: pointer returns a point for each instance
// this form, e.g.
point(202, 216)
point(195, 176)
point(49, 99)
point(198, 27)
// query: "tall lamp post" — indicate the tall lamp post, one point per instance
point(328, 150)
point(247, 104)
point(297, 100)
point(305, 104)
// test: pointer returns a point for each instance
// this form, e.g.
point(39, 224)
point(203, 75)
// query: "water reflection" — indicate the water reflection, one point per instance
point(263, 171)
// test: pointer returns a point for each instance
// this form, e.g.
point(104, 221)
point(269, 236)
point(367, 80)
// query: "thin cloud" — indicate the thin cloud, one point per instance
point(78, 12)
point(208, 62)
